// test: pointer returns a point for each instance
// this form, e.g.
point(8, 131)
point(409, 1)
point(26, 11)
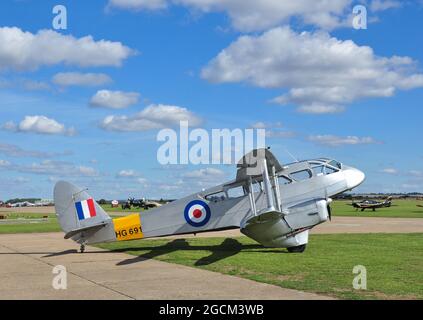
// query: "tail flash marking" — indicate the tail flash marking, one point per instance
point(85, 209)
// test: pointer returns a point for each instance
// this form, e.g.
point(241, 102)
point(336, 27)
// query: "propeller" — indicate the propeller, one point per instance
point(328, 201)
point(329, 213)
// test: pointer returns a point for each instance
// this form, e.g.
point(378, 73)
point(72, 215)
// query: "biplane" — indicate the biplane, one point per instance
point(273, 204)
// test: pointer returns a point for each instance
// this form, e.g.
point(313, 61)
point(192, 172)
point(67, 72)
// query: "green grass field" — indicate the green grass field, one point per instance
point(51, 225)
point(108, 208)
point(399, 209)
point(394, 262)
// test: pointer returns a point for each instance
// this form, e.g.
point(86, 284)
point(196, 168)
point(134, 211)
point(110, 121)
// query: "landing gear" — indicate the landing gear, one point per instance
point(297, 249)
point(82, 248)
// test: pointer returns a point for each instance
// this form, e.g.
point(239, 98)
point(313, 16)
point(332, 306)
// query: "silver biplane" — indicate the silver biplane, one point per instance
point(273, 204)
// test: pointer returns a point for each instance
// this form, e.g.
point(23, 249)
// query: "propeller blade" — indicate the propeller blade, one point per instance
point(330, 213)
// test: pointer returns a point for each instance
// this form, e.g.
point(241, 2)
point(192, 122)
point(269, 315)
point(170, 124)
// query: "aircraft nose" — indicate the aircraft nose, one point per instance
point(354, 177)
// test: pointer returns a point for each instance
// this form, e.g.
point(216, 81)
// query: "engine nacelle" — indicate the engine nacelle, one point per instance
point(280, 232)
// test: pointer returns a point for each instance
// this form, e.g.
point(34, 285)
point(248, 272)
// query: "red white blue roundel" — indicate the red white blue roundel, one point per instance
point(197, 213)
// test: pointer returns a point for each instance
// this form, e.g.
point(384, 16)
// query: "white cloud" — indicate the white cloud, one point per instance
point(16, 151)
point(389, 171)
point(416, 173)
point(206, 173)
point(32, 85)
point(273, 129)
point(256, 15)
point(4, 163)
point(321, 73)
point(381, 5)
point(51, 167)
point(22, 51)
point(266, 125)
point(114, 99)
point(66, 79)
point(336, 141)
point(138, 4)
point(39, 124)
point(155, 116)
point(127, 174)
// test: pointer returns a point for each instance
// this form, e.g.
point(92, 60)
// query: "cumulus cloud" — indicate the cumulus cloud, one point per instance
point(321, 73)
point(273, 129)
point(137, 5)
point(4, 163)
point(382, 5)
point(39, 124)
point(206, 173)
point(155, 116)
point(23, 51)
point(256, 15)
point(114, 99)
point(12, 150)
point(336, 141)
point(127, 174)
point(389, 171)
point(66, 79)
point(51, 167)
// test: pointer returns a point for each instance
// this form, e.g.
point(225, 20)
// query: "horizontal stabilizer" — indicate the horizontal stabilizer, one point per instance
point(74, 232)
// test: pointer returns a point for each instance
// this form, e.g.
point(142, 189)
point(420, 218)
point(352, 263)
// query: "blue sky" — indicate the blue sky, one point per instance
point(321, 87)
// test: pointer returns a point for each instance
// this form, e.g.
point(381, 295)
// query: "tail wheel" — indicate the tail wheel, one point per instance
point(297, 249)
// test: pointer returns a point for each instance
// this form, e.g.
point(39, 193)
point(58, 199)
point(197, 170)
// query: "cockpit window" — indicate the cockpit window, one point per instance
point(330, 170)
point(301, 175)
point(215, 197)
point(284, 180)
point(335, 164)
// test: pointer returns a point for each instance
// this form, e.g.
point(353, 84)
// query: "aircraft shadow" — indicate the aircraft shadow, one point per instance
point(229, 247)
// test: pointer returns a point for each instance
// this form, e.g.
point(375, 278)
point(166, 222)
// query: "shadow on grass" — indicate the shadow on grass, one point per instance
point(229, 247)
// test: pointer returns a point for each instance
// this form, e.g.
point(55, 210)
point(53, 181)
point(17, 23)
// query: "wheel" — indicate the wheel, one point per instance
point(82, 249)
point(297, 249)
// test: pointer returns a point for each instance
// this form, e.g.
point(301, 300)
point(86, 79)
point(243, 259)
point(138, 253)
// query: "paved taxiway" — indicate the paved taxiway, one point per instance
point(27, 261)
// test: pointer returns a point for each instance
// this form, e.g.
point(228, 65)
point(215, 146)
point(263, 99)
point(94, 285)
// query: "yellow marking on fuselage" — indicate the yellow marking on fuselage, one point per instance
point(128, 228)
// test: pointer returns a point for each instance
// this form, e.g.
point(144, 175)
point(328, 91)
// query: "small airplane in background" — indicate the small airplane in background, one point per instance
point(372, 204)
point(273, 204)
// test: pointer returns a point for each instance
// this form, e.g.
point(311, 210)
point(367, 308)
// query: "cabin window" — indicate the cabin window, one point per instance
point(319, 170)
point(284, 180)
point(236, 192)
point(301, 175)
point(215, 197)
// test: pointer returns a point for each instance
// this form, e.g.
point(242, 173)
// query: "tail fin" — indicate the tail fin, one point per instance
point(80, 217)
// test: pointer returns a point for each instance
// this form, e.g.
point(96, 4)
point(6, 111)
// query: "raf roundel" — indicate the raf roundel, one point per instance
point(197, 213)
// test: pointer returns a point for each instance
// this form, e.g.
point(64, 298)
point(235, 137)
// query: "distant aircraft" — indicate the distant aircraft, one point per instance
point(149, 204)
point(372, 204)
point(274, 205)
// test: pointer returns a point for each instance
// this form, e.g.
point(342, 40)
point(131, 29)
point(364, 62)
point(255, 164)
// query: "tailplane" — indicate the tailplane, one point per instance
point(80, 217)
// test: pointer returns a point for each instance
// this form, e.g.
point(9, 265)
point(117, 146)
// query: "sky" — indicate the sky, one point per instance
point(85, 102)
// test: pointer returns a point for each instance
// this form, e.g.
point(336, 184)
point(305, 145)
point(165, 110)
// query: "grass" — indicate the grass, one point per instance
point(109, 208)
point(394, 262)
point(399, 209)
point(51, 225)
